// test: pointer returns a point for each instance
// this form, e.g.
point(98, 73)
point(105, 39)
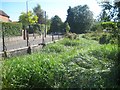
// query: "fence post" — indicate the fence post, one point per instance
point(24, 32)
point(52, 37)
point(58, 36)
point(27, 38)
point(28, 35)
point(3, 40)
point(43, 41)
point(45, 24)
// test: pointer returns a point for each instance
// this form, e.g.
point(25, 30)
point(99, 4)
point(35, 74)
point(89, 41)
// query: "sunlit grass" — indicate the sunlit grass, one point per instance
point(64, 64)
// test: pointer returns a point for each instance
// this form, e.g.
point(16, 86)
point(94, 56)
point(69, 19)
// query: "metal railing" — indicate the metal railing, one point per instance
point(8, 43)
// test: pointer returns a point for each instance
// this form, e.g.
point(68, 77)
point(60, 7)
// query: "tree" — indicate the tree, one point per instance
point(110, 11)
point(67, 27)
point(40, 13)
point(106, 14)
point(117, 5)
point(80, 19)
point(27, 18)
point(56, 23)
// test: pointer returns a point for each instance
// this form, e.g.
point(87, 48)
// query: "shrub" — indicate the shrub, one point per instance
point(12, 29)
point(71, 35)
point(104, 39)
point(108, 51)
point(54, 48)
point(92, 36)
point(96, 27)
point(68, 42)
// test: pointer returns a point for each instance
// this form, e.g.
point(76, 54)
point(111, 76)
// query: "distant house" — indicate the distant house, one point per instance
point(4, 17)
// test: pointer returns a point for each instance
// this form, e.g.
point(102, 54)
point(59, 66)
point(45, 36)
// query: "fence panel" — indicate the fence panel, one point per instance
point(24, 38)
point(1, 37)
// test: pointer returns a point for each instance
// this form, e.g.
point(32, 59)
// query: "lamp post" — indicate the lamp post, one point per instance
point(45, 23)
point(27, 31)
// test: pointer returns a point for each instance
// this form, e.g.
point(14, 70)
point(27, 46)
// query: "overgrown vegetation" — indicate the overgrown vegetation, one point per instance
point(109, 33)
point(76, 63)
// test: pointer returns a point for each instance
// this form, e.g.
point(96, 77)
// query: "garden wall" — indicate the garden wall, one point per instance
point(23, 51)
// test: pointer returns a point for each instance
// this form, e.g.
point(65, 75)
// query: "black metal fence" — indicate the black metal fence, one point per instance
point(8, 43)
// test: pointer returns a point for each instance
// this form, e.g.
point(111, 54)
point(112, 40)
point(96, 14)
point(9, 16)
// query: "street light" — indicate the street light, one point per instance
point(28, 22)
point(28, 44)
point(45, 23)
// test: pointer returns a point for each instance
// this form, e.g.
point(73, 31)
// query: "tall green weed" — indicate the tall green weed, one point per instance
point(78, 63)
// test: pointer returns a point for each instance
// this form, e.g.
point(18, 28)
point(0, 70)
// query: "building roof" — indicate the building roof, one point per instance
point(3, 13)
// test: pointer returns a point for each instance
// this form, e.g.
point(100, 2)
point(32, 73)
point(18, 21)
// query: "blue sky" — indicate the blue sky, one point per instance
point(53, 7)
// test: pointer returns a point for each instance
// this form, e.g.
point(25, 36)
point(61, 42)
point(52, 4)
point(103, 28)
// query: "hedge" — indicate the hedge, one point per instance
point(11, 29)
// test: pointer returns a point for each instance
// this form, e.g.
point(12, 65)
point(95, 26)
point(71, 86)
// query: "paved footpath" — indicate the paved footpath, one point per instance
point(20, 43)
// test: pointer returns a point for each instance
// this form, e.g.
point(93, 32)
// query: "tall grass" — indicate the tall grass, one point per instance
point(68, 63)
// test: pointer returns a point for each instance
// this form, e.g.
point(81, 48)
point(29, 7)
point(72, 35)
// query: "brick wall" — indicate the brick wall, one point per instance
point(4, 19)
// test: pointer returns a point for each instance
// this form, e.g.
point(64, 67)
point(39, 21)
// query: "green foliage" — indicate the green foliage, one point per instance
point(54, 48)
point(0, 29)
point(109, 11)
point(67, 27)
point(11, 29)
point(80, 19)
point(56, 24)
point(37, 72)
point(93, 35)
point(112, 28)
point(40, 14)
point(28, 19)
point(104, 39)
point(68, 42)
point(37, 28)
point(77, 63)
point(96, 27)
point(71, 35)
point(112, 25)
point(107, 51)
point(42, 27)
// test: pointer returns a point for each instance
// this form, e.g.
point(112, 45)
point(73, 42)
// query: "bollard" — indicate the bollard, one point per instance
point(52, 37)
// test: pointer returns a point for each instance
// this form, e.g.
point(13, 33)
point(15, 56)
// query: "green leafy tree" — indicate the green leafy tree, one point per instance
point(27, 18)
point(56, 23)
point(48, 23)
point(117, 5)
point(106, 13)
point(97, 27)
point(40, 13)
point(110, 11)
point(80, 19)
point(67, 27)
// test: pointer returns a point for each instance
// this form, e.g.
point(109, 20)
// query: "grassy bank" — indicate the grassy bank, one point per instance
point(78, 63)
